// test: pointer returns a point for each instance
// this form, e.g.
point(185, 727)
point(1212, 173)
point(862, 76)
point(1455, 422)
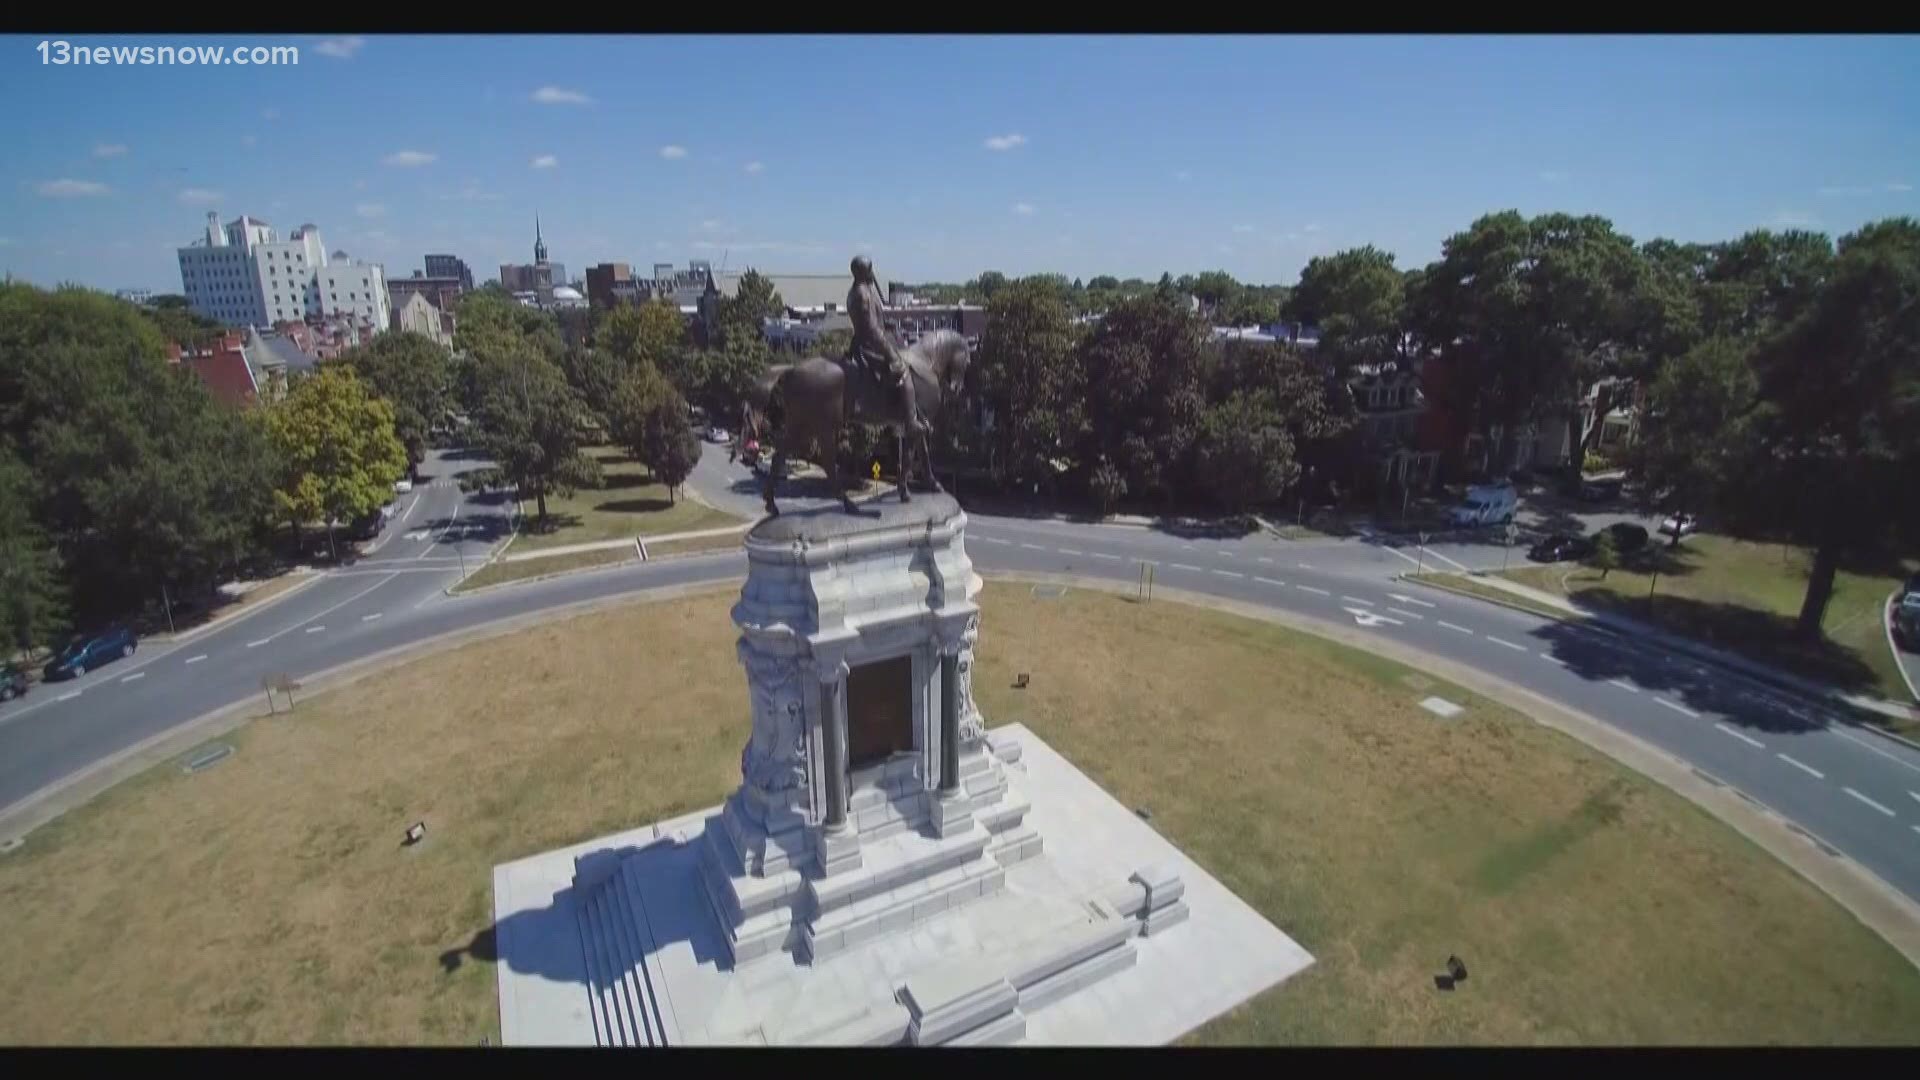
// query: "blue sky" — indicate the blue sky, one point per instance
point(943, 156)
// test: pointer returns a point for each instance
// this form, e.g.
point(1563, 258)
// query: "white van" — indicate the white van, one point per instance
point(1491, 504)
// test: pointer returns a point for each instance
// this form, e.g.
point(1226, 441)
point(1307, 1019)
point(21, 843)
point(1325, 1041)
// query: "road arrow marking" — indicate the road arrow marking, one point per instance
point(1368, 618)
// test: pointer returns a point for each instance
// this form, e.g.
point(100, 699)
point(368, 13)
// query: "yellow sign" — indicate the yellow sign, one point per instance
point(876, 470)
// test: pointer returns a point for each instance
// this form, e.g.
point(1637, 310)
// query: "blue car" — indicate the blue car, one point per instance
point(84, 654)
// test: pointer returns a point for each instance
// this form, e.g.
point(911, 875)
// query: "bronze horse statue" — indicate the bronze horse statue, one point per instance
point(819, 396)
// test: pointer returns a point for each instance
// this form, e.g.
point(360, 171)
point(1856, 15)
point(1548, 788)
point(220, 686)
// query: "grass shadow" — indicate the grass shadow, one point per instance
point(1758, 635)
point(634, 506)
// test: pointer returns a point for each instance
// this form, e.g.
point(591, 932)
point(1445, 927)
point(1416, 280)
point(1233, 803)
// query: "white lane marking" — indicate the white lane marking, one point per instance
point(319, 614)
point(1224, 554)
point(1915, 794)
point(1266, 560)
point(1186, 547)
point(1270, 581)
point(1146, 562)
point(1803, 767)
point(370, 618)
point(1184, 566)
point(1883, 809)
point(130, 678)
point(1368, 618)
point(1311, 589)
point(1462, 566)
point(1104, 555)
point(68, 696)
point(1033, 547)
point(257, 644)
point(1625, 685)
point(1229, 573)
point(1855, 738)
point(992, 540)
point(1069, 551)
point(1552, 659)
point(1508, 644)
point(1402, 554)
point(1408, 614)
point(1408, 600)
point(1743, 737)
point(1451, 626)
point(1356, 600)
point(1682, 709)
point(1304, 566)
point(316, 629)
point(196, 659)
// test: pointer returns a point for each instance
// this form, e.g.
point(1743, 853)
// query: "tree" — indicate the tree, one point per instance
point(1142, 369)
point(1027, 375)
point(753, 301)
point(33, 607)
point(718, 379)
point(1214, 289)
point(1358, 300)
point(337, 450)
point(1692, 433)
point(671, 447)
point(1606, 553)
point(988, 285)
point(642, 333)
point(1245, 453)
point(1833, 438)
point(633, 402)
point(1107, 485)
point(415, 376)
point(530, 422)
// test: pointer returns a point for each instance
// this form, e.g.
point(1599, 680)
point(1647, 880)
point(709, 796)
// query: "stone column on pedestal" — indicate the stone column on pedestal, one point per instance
point(949, 811)
point(838, 845)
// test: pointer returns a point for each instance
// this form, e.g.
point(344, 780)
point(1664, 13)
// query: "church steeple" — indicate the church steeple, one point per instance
point(539, 245)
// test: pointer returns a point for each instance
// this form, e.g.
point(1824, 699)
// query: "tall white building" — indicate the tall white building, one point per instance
point(243, 275)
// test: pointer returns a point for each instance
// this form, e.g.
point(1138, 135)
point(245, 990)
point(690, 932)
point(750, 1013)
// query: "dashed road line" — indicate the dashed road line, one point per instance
point(136, 675)
point(1305, 566)
point(992, 540)
point(1104, 555)
point(257, 644)
point(1682, 709)
point(1802, 766)
point(1625, 685)
point(1032, 547)
point(1904, 763)
point(1184, 566)
point(1229, 573)
point(1742, 736)
point(1069, 551)
point(1266, 560)
point(1356, 600)
point(68, 696)
point(316, 629)
point(1270, 581)
point(1883, 809)
point(1552, 659)
point(1311, 589)
point(370, 618)
point(1915, 794)
point(1408, 614)
point(1224, 554)
point(196, 659)
point(1146, 562)
point(1508, 644)
point(1186, 547)
point(1451, 626)
point(1415, 601)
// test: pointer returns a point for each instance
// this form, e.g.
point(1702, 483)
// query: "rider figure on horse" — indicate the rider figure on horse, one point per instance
point(872, 351)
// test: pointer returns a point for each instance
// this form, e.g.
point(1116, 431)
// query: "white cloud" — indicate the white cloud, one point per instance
point(1023, 209)
point(1792, 219)
point(370, 209)
point(712, 225)
point(1005, 142)
point(1183, 175)
point(71, 189)
point(555, 95)
point(359, 185)
point(200, 195)
point(1552, 176)
point(270, 114)
point(756, 167)
point(248, 140)
point(1243, 229)
point(408, 159)
point(545, 161)
point(784, 246)
point(340, 48)
point(377, 236)
point(1224, 249)
point(1312, 228)
point(107, 150)
point(1848, 191)
point(1899, 185)
point(673, 153)
point(470, 192)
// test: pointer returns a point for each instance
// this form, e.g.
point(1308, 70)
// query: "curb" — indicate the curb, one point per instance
point(216, 624)
point(1691, 650)
point(1859, 891)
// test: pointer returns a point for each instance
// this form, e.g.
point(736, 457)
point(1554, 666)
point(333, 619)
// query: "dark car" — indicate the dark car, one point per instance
point(84, 654)
point(1911, 588)
point(13, 683)
point(1560, 547)
point(1906, 624)
point(1599, 491)
point(1627, 537)
point(368, 526)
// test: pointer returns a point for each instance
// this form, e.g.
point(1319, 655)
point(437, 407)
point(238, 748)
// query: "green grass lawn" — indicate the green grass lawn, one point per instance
point(500, 571)
point(1745, 596)
point(268, 900)
point(629, 504)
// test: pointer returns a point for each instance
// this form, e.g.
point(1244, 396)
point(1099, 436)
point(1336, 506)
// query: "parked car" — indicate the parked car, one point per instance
point(1679, 525)
point(1627, 537)
point(1560, 547)
point(13, 683)
point(402, 486)
point(1599, 490)
point(368, 526)
point(1911, 589)
point(1491, 504)
point(718, 435)
point(1906, 623)
point(86, 653)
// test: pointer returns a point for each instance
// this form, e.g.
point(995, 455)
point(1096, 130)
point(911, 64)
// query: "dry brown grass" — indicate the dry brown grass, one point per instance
point(267, 899)
point(694, 544)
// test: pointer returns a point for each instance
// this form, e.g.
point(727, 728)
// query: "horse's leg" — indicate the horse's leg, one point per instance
point(905, 461)
point(926, 462)
point(771, 479)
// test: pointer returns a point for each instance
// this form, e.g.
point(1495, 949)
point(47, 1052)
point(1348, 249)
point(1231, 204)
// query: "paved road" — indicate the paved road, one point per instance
point(1851, 789)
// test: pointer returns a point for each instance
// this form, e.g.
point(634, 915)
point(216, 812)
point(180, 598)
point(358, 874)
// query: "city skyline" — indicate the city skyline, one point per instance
point(1124, 156)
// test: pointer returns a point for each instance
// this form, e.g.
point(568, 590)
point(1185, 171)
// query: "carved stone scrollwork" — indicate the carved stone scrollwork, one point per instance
point(972, 726)
point(775, 757)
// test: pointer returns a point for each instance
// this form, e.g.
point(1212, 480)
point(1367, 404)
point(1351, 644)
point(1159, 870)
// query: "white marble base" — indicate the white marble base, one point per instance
point(1106, 935)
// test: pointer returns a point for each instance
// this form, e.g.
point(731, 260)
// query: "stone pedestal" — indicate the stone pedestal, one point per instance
point(869, 798)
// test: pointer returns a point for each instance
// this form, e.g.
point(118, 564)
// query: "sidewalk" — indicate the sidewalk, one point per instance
point(1626, 624)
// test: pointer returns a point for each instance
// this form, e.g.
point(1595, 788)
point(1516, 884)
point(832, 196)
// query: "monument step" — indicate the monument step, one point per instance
point(629, 1002)
point(899, 909)
point(742, 895)
point(1002, 816)
point(1015, 845)
point(892, 861)
point(616, 943)
point(646, 978)
point(1005, 1031)
point(1078, 976)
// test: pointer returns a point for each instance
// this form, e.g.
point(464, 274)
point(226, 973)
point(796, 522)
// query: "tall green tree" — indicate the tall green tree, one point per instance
point(671, 449)
point(634, 400)
point(754, 300)
point(413, 374)
point(643, 333)
point(530, 422)
point(1834, 440)
point(1358, 300)
point(1143, 369)
point(1028, 376)
point(33, 603)
point(338, 454)
point(1692, 433)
